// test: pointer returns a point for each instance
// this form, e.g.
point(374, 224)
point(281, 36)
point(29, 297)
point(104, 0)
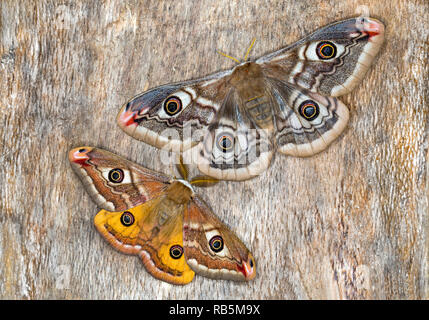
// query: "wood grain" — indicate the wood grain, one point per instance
point(349, 223)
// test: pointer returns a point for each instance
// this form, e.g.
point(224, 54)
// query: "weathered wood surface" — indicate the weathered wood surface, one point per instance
point(349, 223)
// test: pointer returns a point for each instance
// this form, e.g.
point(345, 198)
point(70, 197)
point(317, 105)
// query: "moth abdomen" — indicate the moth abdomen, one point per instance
point(259, 109)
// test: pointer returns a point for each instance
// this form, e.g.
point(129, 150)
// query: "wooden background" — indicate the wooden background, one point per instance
point(349, 223)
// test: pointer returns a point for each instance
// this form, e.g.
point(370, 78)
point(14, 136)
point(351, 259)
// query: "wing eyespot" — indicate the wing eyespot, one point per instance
point(116, 175)
point(326, 50)
point(216, 243)
point(127, 219)
point(224, 142)
point(309, 110)
point(176, 251)
point(172, 105)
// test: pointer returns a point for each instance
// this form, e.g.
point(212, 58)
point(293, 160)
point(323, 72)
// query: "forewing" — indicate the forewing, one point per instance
point(330, 61)
point(114, 183)
point(171, 116)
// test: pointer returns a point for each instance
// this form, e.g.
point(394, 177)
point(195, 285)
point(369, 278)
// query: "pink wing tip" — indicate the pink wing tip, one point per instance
point(247, 269)
point(373, 27)
point(79, 155)
point(127, 118)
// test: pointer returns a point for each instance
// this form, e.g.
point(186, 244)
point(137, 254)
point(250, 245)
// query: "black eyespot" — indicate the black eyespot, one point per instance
point(127, 218)
point(82, 150)
point(251, 263)
point(172, 105)
point(225, 142)
point(116, 175)
point(216, 243)
point(326, 50)
point(176, 251)
point(309, 110)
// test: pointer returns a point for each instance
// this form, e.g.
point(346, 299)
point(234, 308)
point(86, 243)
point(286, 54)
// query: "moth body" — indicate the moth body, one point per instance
point(249, 83)
point(180, 191)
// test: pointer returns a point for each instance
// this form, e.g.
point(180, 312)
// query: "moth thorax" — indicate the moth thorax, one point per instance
point(248, 80)
point(180, 191)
